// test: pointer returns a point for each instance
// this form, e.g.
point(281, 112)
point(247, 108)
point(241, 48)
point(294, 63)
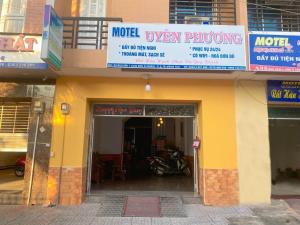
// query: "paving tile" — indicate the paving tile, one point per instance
point(111, 206)
point(294, 204)
point(111, 221)
point(82, 219)
point(278, 213)
point(172, 207)
point(280, 220)
point(63, 220)
point(141, 221)
point(245, 221)
point(191, 200)
point(161, 221)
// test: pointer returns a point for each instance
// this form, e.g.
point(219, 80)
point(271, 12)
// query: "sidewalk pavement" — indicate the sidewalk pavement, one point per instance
point(278, 213)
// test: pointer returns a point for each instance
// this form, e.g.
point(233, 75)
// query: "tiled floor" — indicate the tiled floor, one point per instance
point(87, 214)
point(11, 187)
point(9, 181)
point(152, 183)
point(287, 187)
point(170, 205)
point(294, 204)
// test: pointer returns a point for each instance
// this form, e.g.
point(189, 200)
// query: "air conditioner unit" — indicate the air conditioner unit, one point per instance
point(197, 20)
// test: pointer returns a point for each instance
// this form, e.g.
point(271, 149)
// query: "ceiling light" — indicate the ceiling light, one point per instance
point(148, 87)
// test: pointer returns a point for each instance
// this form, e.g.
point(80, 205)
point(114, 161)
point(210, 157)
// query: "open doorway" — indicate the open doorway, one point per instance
point(284, 129)
point(142, 153)
point(14, 125)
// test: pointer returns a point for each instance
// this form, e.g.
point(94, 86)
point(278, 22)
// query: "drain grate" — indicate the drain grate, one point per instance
point(191, 200)
point(172, 207)
point(11, 198)
point(111, 206)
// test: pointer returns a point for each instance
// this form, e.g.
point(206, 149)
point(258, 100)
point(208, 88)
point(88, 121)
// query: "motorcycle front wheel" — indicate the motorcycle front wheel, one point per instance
point(19, 171)
point(187, 172)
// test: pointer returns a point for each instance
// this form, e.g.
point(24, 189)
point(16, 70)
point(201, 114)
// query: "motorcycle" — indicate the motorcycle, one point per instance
point(20, 166)
point(174, 164)
point(158, 165)
point(182, 165)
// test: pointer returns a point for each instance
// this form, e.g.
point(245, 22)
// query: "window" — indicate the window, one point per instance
point(88, 30)
point(14, 117)
point(202, 11)
point(12, 15)
point(1, 2)
point(274, 15)
point(92, 8)
point(15, 7)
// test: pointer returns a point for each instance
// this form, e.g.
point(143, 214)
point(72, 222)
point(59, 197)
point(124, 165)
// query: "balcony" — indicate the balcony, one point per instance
point(86, 32)
point(85, 41)
point(221, 12)
point(274, 15)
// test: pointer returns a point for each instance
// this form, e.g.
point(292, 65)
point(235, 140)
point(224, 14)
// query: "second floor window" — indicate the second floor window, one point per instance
point(266, 15)
point(12, 15)
point(92, 8)
point(202, 12)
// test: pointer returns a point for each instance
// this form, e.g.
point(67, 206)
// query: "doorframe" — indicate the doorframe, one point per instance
point(196, 156)
point(90, 154)
point(91, 137)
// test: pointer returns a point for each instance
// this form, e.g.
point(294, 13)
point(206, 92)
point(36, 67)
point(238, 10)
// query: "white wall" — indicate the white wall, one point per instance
point(108, 135)
point(285, 145)
point(167, 129)
point(186, 142)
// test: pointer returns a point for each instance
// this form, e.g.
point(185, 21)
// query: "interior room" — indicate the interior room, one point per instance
point(285, 156)
point(11, 178)
point(142, 153)
point(14, 126)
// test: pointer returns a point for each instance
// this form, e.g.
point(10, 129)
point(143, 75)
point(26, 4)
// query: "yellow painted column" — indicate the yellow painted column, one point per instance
point(218, 170)
point(67, 170)
point(253, 142)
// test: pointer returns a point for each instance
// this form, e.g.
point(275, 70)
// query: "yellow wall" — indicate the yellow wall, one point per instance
point(216, 102)
point(141, 11)
point(253, 142)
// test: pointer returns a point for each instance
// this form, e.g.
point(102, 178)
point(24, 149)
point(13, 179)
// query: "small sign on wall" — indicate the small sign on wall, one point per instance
point(196, 143)
point(283, 91)
point(107, 109)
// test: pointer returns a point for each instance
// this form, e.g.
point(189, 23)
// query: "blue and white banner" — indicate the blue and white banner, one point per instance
point(176, 46)
point(283, 91)
point(274, 51)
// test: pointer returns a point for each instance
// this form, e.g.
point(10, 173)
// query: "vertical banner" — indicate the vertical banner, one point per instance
point(52, 45)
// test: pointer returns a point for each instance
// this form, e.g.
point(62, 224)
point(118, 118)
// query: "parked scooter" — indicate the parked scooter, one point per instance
point(159, 165)
point(182, 165)
point(174, 165)
point(20, 166)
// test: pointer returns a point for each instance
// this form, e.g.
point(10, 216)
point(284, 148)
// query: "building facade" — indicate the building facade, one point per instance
point(231, 106)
